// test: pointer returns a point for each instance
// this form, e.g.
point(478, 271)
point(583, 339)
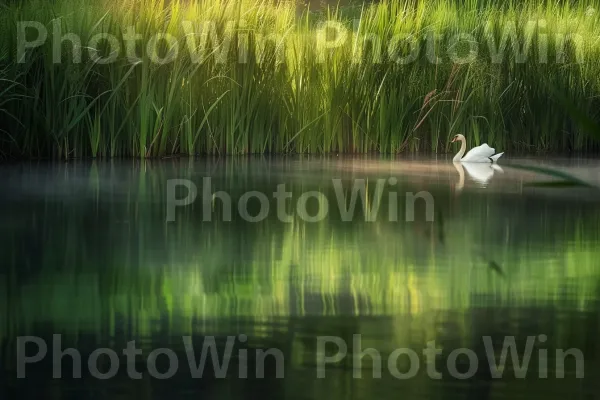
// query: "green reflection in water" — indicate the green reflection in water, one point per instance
point(87, 250)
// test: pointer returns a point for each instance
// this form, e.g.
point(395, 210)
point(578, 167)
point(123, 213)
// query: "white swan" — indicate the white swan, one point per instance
point(479, 154)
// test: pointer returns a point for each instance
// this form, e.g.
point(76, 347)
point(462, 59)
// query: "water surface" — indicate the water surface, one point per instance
point(88, 253)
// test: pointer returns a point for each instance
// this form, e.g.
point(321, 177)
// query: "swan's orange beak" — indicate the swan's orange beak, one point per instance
point(453, 140)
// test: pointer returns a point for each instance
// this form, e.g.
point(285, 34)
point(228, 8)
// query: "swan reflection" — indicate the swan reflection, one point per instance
point(479, 172)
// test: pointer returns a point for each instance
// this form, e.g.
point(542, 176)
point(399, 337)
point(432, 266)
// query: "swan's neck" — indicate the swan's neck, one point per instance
point(461, 152)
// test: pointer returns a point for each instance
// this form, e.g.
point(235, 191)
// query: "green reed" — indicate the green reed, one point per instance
point(269, 84)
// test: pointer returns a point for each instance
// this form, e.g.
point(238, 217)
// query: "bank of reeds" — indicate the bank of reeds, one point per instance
point(275, 80)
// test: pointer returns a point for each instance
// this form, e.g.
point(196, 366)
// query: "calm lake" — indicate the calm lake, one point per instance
point(107, 256)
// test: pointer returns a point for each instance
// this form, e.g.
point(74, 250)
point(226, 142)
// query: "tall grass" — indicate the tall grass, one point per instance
point(292, 94)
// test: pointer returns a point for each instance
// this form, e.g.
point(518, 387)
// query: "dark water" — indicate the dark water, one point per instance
point(87, 253)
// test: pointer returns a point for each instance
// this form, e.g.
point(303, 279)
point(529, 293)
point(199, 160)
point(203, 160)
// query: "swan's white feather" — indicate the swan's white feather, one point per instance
point(495, 157)
point(481, 153)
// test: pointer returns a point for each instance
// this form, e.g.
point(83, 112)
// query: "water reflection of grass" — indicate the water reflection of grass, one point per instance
point(324, 275)
point(134, 273)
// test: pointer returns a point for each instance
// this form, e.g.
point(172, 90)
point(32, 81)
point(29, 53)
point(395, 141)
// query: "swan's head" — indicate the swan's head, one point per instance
point(457, 138)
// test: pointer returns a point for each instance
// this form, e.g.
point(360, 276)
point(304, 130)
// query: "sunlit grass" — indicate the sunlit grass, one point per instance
point(298, 96)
